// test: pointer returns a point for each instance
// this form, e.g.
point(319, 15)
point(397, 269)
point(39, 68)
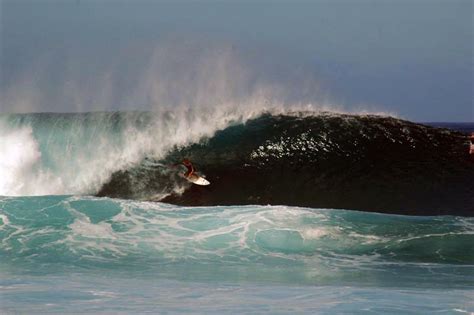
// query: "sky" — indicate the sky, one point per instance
point(413, 58)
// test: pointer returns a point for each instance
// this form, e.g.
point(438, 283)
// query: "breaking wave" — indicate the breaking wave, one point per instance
point(361, 162)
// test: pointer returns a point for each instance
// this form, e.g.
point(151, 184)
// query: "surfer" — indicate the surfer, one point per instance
point(191, 175)
point(190, 168)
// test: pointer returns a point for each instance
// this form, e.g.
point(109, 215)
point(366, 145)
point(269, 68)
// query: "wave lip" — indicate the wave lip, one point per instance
point(327, 160)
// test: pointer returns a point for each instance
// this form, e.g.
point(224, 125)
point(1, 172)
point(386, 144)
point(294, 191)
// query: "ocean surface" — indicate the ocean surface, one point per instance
point(94, 217)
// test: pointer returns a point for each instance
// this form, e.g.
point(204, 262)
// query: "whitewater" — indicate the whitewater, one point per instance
point(93, 221)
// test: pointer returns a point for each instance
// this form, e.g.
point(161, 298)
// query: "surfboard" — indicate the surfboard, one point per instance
point(198, 180)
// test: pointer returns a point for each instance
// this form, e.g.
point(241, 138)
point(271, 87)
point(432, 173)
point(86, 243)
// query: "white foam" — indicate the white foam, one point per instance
point(4, 220)
point(20, 164)
point(315, 233)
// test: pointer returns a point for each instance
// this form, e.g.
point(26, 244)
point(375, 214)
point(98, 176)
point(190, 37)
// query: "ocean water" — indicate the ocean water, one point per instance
point(87, 254)
point(65, 250)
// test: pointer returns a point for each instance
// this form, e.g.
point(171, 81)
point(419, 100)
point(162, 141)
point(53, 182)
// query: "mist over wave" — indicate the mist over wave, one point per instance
point(162, 75)
point(186, 90)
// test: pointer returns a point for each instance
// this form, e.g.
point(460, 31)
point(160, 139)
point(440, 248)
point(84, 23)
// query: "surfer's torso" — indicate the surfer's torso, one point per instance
point(190, 168)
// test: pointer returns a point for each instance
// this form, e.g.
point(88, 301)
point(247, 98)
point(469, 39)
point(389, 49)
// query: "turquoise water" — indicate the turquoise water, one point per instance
point(86, 254)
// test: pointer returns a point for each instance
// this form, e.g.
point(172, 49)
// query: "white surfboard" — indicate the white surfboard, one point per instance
point(198, 180)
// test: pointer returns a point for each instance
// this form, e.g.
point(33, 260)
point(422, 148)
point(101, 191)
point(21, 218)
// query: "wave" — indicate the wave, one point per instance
point(45, 234)
point(314, 159)
point(361, 162)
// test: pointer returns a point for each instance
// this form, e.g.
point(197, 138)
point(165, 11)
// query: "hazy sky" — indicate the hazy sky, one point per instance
point(413, 58)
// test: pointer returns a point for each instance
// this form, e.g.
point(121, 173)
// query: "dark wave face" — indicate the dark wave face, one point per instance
point(367, 163)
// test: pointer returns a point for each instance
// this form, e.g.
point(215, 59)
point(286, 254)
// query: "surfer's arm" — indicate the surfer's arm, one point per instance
point(190, 171)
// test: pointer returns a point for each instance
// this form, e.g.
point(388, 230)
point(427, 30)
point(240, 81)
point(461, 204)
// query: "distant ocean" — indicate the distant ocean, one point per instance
point(464, 127)
point(93, 219)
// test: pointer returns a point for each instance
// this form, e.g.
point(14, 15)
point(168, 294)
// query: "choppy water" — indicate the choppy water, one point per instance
point(86, 254)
